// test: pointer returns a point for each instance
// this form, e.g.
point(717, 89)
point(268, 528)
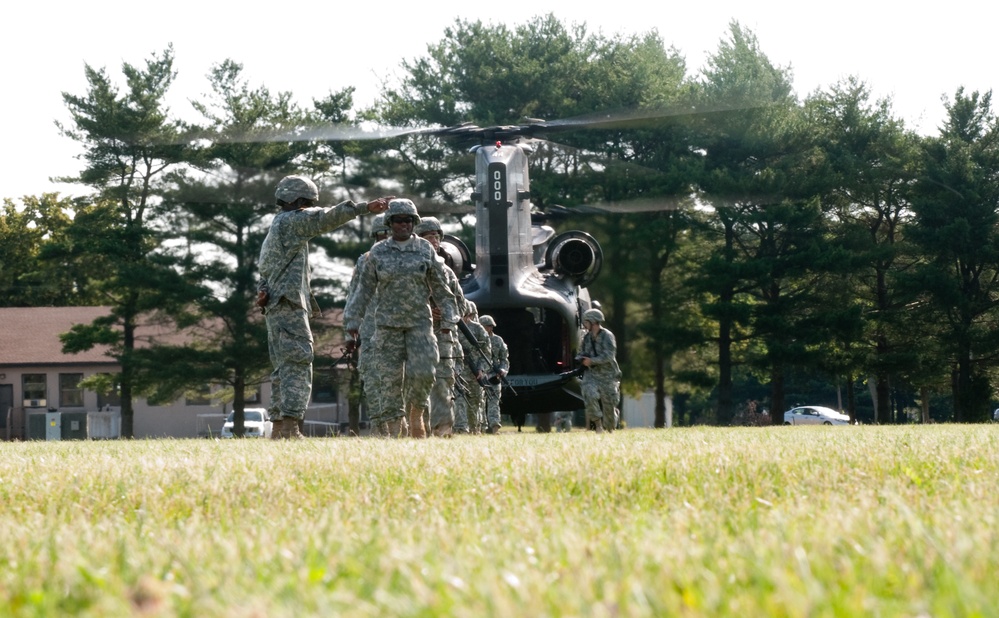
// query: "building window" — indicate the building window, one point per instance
point(70, 393)
point(112, 397)
point(34, 387)
point(323, 387)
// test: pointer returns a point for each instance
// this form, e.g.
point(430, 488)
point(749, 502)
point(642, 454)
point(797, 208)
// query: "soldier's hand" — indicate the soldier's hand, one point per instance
point(350, 345)
point(380, 205)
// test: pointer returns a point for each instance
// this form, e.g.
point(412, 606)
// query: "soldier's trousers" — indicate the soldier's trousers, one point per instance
point(601, 398)
point(369, 383)
point(442, 393)
point(468, 409)
point(289, 343)
point(403, 361)
point(492, 395)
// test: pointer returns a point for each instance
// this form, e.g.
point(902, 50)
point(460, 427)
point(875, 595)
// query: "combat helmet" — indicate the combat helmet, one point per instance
point(402, 207)
point(487, 320)
point(428, 224)
point(290, 188)
point(471, 309)
point(593, 315)
point(378, 226)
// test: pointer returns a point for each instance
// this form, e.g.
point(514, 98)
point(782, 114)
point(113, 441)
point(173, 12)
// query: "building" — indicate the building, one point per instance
point(41, 396)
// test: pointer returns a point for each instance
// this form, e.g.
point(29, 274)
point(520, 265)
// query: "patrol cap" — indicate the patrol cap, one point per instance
point(290, 188)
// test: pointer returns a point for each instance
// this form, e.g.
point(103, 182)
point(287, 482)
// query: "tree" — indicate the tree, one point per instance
point(215, 219)
point(956, 201)
point(36, 255)
point(873, 160)
point(763, 172)
point(129, 142)
point(497, 75)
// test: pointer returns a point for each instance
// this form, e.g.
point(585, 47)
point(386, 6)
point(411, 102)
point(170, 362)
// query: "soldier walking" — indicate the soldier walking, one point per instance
point(379, 232)
point(400, 271)
point(468, 409)
point(498, 371)
point(602, 379)
point(441, 421)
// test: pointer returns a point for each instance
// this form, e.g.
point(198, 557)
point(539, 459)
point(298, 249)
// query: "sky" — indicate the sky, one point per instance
point(914, 55)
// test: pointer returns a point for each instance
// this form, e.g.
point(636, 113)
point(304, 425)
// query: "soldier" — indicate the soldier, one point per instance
point(601, 380)
point(468, 412)
point(501, 367)
point(286, 298)
point(441, 421)
point(399, 271)
point(379, 231)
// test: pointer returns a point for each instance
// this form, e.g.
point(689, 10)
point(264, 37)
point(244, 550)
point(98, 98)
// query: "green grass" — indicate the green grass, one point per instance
point(843, 521)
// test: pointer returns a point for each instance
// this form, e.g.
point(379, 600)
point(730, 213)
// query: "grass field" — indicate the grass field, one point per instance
point(802, 521)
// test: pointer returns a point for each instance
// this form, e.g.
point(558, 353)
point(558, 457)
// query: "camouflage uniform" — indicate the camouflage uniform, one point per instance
point(442, 392)
point(286, 276)
point(404, 349)
point(601, 382)
point(366, 331)
point(468, 409)
point(501, 362)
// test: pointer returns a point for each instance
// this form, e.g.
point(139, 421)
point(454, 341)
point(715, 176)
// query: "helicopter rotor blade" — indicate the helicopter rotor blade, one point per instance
point(313, 133)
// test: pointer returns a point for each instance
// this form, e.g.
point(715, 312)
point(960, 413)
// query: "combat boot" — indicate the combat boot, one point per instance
point(276, 429)
point(290, 430)
point(395, 428)
point(416, 427)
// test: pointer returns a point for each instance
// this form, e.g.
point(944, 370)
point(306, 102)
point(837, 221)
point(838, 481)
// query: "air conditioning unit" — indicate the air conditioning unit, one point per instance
point(35, 403)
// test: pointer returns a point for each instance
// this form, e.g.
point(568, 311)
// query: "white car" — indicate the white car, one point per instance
point(815, 415)
point(256, 422)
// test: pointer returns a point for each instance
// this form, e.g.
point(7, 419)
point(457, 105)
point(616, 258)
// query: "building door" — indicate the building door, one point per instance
point(6, 409)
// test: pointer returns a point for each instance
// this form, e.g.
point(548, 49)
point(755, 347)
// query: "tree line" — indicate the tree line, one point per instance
point(760, 245)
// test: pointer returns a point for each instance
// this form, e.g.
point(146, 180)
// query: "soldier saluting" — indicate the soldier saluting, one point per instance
point(285, 295)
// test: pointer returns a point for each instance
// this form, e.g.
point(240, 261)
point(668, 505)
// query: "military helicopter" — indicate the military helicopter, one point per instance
point(532, 281)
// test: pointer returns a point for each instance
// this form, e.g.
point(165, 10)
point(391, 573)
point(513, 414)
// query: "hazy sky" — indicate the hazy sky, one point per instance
point(913, 55)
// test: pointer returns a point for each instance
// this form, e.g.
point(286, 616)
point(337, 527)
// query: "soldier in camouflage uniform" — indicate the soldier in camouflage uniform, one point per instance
point(401, 271)
point(441, 420)
point(285, 295)
point(501, 367)
point(379, 231)
point(601, 380)
point(468, 409)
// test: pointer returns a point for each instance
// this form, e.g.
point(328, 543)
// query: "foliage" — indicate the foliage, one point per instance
point(956, 202)
point(37, 265)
